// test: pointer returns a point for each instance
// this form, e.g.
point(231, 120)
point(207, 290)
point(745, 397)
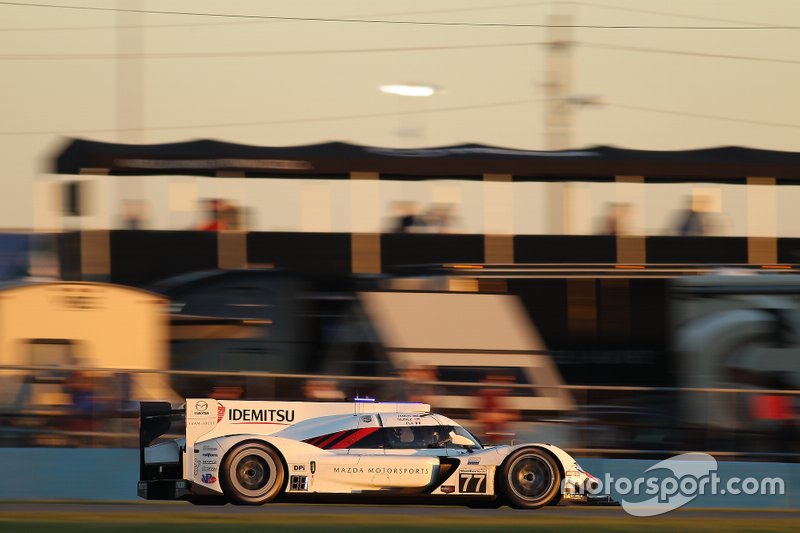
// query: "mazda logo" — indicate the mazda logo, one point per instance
point(201, 405)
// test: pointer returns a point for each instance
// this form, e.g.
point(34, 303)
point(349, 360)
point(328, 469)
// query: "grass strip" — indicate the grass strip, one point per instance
point(65, 522)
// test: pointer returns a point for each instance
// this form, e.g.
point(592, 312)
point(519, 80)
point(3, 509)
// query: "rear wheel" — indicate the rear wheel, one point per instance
point(252, 474)
point(530, 479)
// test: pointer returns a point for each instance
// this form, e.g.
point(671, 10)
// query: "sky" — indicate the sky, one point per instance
point(660, 75)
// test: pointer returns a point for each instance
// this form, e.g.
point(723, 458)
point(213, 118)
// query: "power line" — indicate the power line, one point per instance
point(212, 55)
point(671, 14)
point(271, 53)
point(193, 25)
point(683, 53)
point(490, 105)
point(404, 22)
point(703, 116)
point(401, 13)
point(267, 17)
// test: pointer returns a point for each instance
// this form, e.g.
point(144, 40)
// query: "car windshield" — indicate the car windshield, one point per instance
point(428, 437)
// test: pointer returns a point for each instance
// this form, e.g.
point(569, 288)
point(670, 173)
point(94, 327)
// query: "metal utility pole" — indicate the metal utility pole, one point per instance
point(558, 87)
point(130, 75)
point(130, 103)
point(559, 82)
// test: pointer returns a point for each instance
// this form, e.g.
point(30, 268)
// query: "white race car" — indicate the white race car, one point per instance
point(252, 452)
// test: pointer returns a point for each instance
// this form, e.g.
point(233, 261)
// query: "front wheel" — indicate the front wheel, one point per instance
point(530, 479)
point(252, 474)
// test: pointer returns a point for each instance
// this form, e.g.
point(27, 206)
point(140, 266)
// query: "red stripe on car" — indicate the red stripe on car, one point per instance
point(314, 440)
point(332, 438)
point(352, 439)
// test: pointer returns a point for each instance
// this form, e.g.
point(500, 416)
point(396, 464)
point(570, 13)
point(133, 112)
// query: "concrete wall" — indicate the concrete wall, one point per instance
point(632, 468)
point(68, 474)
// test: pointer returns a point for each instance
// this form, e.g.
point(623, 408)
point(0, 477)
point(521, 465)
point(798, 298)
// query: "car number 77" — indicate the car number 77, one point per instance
point(472, 483)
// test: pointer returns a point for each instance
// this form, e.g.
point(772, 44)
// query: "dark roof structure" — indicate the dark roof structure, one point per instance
point(337, 160)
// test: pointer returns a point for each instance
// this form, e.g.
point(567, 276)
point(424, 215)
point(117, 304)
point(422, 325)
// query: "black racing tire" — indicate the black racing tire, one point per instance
point(206, 500)
point(252, 474)
point(529, 479)
point(555, 501)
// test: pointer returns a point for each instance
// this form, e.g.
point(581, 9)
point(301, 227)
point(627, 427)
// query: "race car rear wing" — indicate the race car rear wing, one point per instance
point(155, 419)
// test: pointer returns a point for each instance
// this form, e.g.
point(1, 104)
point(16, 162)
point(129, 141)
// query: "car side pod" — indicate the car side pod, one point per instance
point(587, 494)
point(605, 500)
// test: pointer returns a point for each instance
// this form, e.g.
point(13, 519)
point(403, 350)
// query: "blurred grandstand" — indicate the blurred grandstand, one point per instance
point(628, 341)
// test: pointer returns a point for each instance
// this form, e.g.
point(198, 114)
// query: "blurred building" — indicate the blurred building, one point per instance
point(57, 326)
point(738, 332)
point(602, 304)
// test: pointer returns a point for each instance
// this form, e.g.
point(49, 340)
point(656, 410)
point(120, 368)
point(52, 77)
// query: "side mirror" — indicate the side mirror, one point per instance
point(461, 440)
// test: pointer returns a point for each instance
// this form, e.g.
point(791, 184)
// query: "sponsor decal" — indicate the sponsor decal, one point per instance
point(220, 411)
point(210, 454)
point(366, 419)
point(475, 461)
point(379, 470)
point(209, 462)
point(469, 483)
point(476, 470)
point(299, 468)
point(448, 489)
point(572, 473)
point(313, 467)
point(201, 408)
point(208, 469)
point(208, 479)
point(409, 419)
point(399, 470)
point(261, 416)
point(348, 470)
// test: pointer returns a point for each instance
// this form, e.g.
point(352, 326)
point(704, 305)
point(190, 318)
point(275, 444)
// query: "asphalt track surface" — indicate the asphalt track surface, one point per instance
point(374, 510)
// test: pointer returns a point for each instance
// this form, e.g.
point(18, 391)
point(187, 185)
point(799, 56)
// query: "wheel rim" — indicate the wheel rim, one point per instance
point(531, 477)
point(253, 472)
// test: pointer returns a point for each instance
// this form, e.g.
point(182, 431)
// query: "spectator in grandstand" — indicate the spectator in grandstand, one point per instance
point(212, 220)
point(692, 220)
point(323, 390)
point(133, 214)
point(406, 218)
point(419, 384)
point(494, 413)
point(615, 220)
point(228, 389)
point(89, 408)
